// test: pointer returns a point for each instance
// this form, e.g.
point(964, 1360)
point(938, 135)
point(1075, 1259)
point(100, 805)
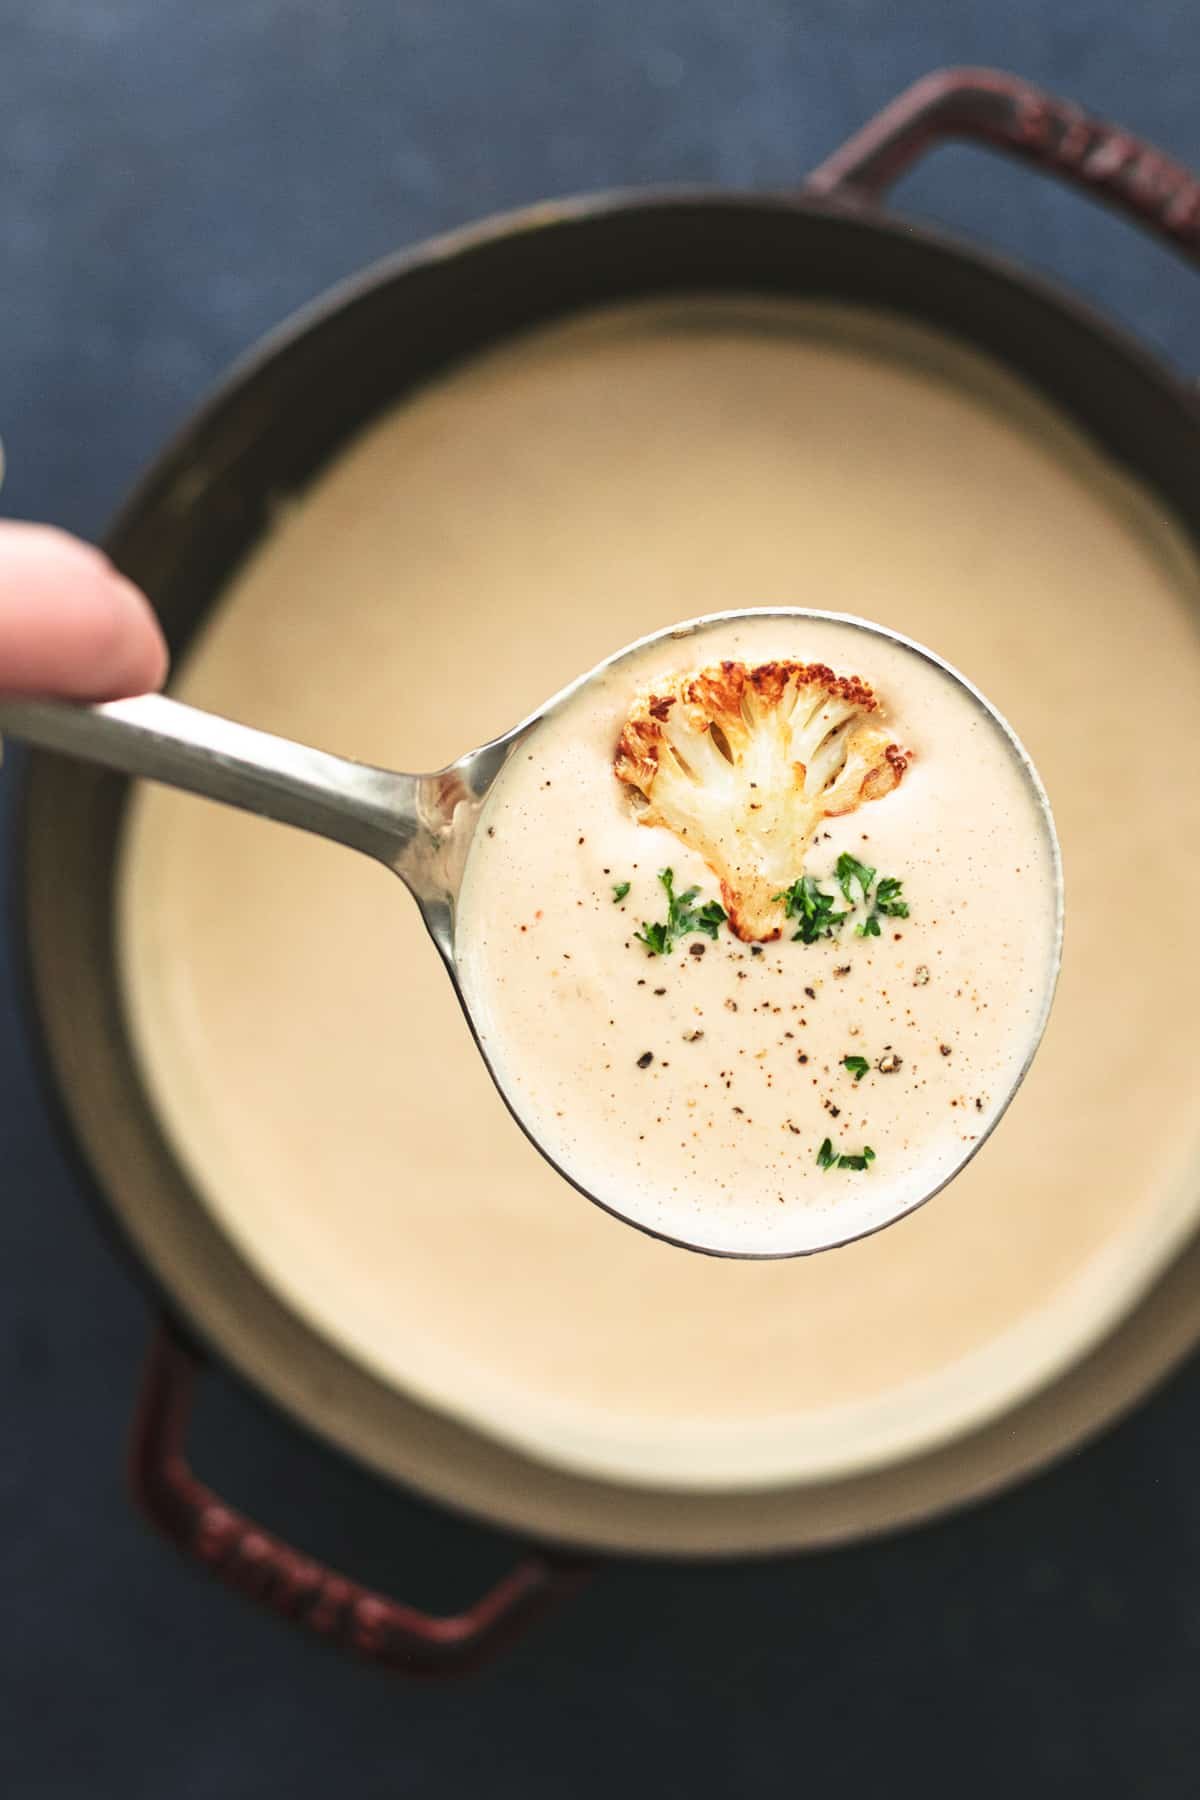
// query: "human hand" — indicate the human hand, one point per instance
point(70, 625)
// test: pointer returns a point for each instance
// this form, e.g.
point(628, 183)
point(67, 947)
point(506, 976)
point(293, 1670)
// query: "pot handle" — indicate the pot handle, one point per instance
point(260, 1565)
point(990, 107)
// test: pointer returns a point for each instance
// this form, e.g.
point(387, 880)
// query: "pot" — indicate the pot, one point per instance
point(194, 518)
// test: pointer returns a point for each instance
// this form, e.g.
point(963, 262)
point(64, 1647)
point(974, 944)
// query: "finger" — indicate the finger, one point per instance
point(69, 623)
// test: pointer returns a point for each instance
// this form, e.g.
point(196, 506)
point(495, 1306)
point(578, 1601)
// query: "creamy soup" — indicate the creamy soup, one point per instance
point(469, 555)
point(758, 1094)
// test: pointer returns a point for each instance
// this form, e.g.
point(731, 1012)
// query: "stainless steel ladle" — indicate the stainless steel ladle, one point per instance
point(419, 826)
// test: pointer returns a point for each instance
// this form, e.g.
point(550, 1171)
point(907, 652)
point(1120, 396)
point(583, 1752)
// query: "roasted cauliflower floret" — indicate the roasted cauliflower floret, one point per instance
point(742, 764)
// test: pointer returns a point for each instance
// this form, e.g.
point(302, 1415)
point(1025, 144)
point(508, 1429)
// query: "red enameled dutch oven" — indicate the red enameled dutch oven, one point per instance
point(285, 411)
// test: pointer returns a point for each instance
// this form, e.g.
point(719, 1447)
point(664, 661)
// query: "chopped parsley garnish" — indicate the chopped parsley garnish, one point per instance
point(888, 904)
point(857, 1065)
point(808, 903)
point(620, 889)
point(683, 918)
point(812, 908)
point(828, 1158)
point(850, 870)
point(655, 938)
point(709, 919)
point(887, 898)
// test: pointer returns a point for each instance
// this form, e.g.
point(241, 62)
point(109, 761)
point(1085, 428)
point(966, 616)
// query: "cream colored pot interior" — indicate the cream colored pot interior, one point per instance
point(469, 554)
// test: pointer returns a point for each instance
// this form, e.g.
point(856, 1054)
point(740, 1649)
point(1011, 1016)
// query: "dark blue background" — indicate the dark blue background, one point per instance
point(174, 177)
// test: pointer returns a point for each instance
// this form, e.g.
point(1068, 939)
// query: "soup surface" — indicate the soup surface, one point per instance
point(469, 555)
point(767, 1097)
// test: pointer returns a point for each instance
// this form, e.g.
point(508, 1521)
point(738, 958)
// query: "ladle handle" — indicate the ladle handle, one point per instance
point(368, 809)
point(224, 1541)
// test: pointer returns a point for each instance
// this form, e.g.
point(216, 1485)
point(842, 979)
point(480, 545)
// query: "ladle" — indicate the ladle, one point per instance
point(419, 826)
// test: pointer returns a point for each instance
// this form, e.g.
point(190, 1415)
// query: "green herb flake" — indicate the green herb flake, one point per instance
point(683, 918)
point(812, 908)
point(888, 901)
point(709, 919)
point(857, 1066)
point(850, 870)
point(655, 939)
point(620, 889)
point(828, 1158)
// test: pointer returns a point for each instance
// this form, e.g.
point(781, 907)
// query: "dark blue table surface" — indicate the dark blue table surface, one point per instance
point(173, 178)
